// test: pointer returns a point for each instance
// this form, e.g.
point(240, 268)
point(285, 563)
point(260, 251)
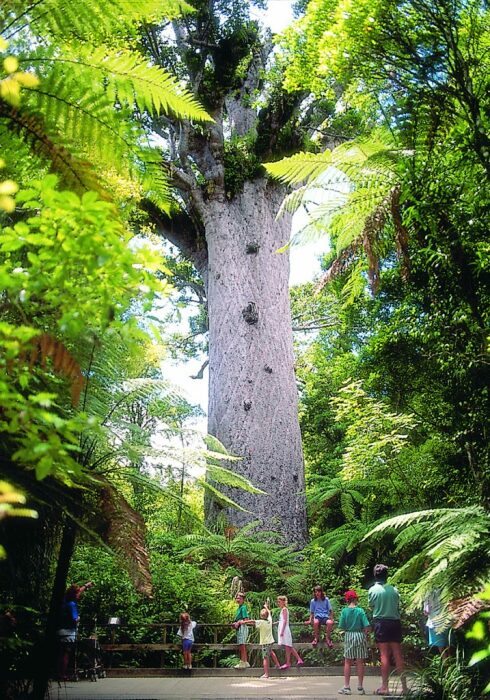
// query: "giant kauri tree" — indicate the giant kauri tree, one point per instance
point(226, 226)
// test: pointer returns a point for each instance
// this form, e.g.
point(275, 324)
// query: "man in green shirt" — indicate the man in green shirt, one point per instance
point(384, 602)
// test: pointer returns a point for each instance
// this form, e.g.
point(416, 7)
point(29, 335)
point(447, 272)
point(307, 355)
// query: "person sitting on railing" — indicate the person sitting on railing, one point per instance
point(321, 613)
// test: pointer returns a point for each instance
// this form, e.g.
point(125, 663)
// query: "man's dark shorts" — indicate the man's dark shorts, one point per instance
point(387, 631)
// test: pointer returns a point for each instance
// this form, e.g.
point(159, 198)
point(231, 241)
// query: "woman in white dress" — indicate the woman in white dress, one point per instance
point(284, 637)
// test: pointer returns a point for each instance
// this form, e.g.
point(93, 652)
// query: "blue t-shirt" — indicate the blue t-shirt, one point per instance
point(320, 608)
point(69, 615)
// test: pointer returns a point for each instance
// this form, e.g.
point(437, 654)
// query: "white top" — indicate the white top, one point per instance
point(286, 638)
point(433, 608)
point(188, 632)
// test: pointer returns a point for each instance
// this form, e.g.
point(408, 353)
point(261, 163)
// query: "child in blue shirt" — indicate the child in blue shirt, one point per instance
point(321, 613)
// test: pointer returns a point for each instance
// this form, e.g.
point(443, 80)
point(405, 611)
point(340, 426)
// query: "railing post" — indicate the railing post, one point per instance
point(164, 641)
point(215, 654)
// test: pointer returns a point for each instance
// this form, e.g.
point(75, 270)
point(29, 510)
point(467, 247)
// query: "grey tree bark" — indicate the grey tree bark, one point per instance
point(253, 404)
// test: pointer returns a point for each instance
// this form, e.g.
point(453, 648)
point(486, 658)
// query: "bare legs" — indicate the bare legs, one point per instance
point(292, 650)
point(275, 659)
point(64, 659)
point(267, 665)
point(385, 650)
point(328, 631)
point(243, 652)
point(360, 672)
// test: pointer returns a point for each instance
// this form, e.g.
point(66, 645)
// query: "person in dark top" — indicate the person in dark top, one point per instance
point(68, 623)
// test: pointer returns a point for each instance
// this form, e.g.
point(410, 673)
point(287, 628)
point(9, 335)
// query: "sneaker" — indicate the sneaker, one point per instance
point(345, 691)
point(245, 664)
point(329, 643)
point(361, 691)
point(285, 666)
point(314, 643)
point(300, 662)
point(240, 664)
point(264, 677)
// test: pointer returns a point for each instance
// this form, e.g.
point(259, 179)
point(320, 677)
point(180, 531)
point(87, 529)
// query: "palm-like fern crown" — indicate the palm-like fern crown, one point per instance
point(451, 550)
point(91, 81)
point(355, 185)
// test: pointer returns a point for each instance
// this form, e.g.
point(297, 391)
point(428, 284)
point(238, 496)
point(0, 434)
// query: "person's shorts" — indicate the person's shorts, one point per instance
point(438, 639)
point(387, 631)
point(242, 634)
point(322, 620)
point(67, 635)
point(186, 644)
point(266, 650)
point(355, 645)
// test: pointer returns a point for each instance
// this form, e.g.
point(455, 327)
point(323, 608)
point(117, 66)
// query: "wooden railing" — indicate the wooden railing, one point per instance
point(221, 639)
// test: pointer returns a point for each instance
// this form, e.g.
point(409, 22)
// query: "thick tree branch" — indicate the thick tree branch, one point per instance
point(182, 231)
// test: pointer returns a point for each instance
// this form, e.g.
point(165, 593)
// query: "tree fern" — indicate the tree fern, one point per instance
point(89, 19)
point(79, 115)
point(452, 541)
point(355, 185)
point(243, 548)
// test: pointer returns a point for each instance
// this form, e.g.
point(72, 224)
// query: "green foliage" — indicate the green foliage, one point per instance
point(87, 285)
point(448, 679)
point(247, 550)
point(177, 587)
point(241, 164)
point(450, 542)
point(374, 435)
point(77, 114)
point(480, 633)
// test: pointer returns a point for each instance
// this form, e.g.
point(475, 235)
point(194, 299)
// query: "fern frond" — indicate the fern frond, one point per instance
point(125, 535)
point(127, 77)
point(78, 173)
point(84, 124)
point(226, 477)
point(302, 167)
point(453, 541)
point(220, 497)
point(63, 361)
point(405, 519)
point(347, 506)
point(85, 18)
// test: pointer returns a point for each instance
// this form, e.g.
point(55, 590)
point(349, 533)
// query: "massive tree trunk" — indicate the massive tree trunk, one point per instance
point(226, 226)
point(253, 406)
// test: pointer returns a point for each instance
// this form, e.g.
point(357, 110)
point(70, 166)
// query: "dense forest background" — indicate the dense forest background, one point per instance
point(125, 134)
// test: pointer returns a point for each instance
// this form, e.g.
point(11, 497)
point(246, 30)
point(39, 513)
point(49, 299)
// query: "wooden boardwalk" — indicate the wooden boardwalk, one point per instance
point(214, 687)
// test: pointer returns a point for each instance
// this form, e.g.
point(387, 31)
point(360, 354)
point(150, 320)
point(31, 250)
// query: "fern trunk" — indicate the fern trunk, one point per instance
point(253, 405)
